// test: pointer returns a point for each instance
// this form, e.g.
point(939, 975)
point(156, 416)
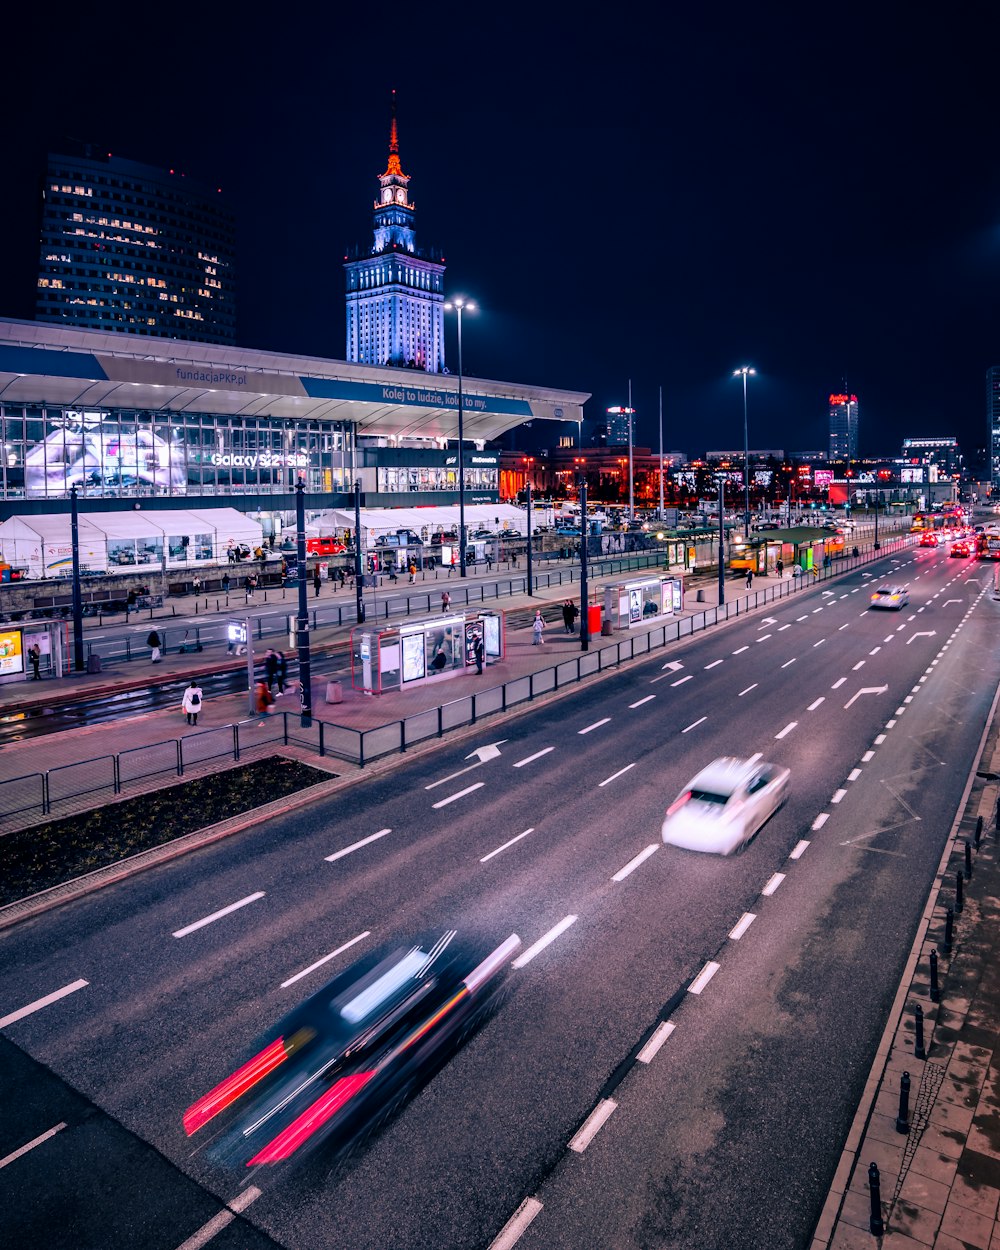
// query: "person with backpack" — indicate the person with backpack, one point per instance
point(191, 703)
point(262, 701)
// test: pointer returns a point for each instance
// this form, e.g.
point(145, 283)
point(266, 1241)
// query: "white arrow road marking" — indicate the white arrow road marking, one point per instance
point(673, 665)
point(768, 620)
point(947, 601)
point(866, 690)
point(489, 752)
point(924, 633)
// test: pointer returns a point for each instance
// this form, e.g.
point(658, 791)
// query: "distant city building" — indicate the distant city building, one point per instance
point(765, 453)
point(843, 427)
point(940, 453)
point(395, 292)
point(126, 248)
point(616, 429)
point(993, 425)
point(801, 457)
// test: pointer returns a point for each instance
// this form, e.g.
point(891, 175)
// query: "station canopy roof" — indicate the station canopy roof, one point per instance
point(94, 371)
point(490, 516)
point(55, 527)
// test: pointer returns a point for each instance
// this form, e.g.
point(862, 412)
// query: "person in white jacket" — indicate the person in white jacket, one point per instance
point(191, 703)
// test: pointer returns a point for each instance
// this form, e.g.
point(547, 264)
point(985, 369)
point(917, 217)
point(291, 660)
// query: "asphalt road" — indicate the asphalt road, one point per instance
point(729, 1136)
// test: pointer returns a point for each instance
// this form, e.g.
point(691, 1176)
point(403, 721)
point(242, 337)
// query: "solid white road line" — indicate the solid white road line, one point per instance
point(596, 725)
point(633, 864)
point(642, 701)
point(694, 725)
point(23, 1150)
point(787, 730)
point(816, 702)
point(773, 883)
point(799, 849)
point(615, 776)
point(506, 844)
point(820, 820)
point(703, 977)
point(714, 664)
point(530, 759)
point(681, 681)
point(215, 1225)
point(326, 959)
point(593, 1125)
point(39, 1003)
point(747, 691)
point(528, 955)
point(459, 795)
point(838, 683)
point(659, 1036)
point(356, 846)
point(217, 915)
point(512, 1231)
point(838, 795)
point(744, 923)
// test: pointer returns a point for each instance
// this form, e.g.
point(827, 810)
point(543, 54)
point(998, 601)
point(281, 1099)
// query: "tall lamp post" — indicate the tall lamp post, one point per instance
point(458, 305)
point(584, 590)
point(722, 540)
point(302, 623)
point(78, 664)
point(745, 371)
point(359, 577)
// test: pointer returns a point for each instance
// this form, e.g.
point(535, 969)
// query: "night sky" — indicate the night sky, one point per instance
point(812, 190)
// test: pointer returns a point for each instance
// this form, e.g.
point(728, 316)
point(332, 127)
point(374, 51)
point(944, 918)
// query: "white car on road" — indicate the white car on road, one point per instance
point(725, 804)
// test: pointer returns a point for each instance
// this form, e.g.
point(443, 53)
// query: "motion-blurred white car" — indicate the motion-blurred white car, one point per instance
point(725, 804)
point(890, 597)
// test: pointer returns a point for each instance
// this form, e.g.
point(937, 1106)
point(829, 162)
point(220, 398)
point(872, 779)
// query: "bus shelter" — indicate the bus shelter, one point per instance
point(628, 604)
point(402, 657)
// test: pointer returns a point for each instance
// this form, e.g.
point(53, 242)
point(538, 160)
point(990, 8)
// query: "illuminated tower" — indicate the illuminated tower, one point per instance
point(843, 427)
point(395, 292)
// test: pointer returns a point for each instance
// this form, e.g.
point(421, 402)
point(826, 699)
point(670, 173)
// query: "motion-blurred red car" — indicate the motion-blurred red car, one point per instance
point(960, 548)
point(930, 539)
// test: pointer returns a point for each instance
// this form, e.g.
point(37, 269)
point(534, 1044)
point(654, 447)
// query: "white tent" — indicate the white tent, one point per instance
point(422, 521)
point(169, 539)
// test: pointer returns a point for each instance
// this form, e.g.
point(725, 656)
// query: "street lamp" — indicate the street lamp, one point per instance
point(745, 371)
point(457, 305)
point(722, 539)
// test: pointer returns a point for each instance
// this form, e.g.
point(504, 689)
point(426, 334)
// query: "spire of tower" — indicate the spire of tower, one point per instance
point(394, 166)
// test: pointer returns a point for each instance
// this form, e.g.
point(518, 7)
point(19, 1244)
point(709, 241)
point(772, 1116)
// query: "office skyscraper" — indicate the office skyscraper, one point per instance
point(843, 427)
point(993, 425)
point(128, 248)
point(395, 291)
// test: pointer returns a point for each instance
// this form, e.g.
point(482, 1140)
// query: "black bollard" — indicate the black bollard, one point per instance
point(935, 988)
point(968, 860)
point(918, 1034)
point(996, 822)
point(903, 1119)
point(875, 1223)
point(949, 928)
point(959, 901)
point(979, 831)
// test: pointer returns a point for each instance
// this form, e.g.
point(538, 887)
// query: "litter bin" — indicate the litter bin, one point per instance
point(593, 619)
point(334, 692)
point(93, 663)
point(700, 596)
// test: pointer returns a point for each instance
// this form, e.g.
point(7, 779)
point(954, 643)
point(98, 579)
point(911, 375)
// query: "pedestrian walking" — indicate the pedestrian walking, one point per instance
point(191, 703)
point(316, 581)
point(451, 566)
point(196, 584)
point(489, 560)
point(445, 601)
point(479, 651)
point(270, 667)
point(749, 578)
point(35, 656)
point(537, 626)
point(413, 571)
point(568, 615)
point(281, 671)
point(248, 586)
point(154, 643)
point(262, 701)
point(780, 566)
point(225, 583)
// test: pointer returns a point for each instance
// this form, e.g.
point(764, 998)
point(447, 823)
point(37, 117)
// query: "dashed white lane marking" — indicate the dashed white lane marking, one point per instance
point(773, 883)
point(815, 610)
point(838, 795)
point(820, 821)
point(512, 1231)
point(694, 724)
point(527, 956)
point(218, 1222)
point(714, 664)
point(530, 759)
point(763, 638)
point(659, 1036)
point(356, 846)
point(642, 701)
point(741, 926)
point(879, 739)
point(844, 626)
point(747, 691)
point(593, 1125)
point(787, 662)
point(860, 664)
point(619, 773)
point(854, 774)
point(633, 864)
point(787, 730)
point(216, 915)
point(783, 627)
point(803, 618)
point(703, 977)
point(820, 643)
point(867, 757)
point(838, 683)
point(452, 798)
point(681, 681)
point(799, 850)
point(890, 724)
point(39, 1003)
point(603, 721)
point(37, 1141)
point(506, 845)
point(874, 650)
point(908, 699)
point(326, 959)
point(740, 650)
point(815, 703)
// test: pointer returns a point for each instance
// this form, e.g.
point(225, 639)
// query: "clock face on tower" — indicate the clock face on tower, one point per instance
point(400, 195)
point(387, 196)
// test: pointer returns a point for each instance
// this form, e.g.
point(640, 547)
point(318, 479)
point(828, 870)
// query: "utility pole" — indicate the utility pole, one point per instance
point(302, 624)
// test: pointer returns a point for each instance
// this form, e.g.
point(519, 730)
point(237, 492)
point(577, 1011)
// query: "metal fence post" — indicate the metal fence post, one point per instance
point(117, 774)
point(180, 758)
point(46, 799)
point(236, 742)
point(322, 744)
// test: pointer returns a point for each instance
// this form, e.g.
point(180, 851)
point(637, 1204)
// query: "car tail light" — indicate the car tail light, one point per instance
point(312, 1119)
point(678, 803)
point(233, 1087)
